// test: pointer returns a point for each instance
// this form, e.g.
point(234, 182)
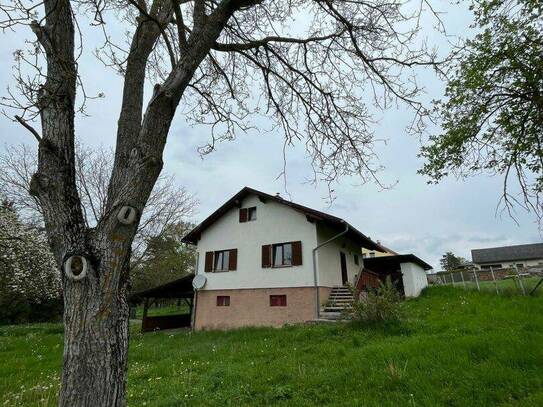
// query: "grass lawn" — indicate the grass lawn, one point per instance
point(455, 348)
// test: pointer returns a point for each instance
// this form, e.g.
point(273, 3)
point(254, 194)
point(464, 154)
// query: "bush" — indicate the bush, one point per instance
point(380, 305)
point(30, 286)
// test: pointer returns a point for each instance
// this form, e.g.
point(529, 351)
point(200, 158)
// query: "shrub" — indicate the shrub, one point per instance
point(380, 305)
point(30, 286)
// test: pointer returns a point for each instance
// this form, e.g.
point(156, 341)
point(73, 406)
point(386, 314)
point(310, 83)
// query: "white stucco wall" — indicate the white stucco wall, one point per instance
point(414, 279)
point(275, 223)
point(329, 261)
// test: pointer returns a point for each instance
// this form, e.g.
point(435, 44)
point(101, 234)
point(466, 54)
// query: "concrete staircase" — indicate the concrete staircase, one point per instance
point(340, 300)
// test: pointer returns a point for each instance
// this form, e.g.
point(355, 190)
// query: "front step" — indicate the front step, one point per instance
point(340, 300)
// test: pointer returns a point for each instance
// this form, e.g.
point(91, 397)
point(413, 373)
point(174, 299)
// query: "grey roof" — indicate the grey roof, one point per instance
point(508, 253)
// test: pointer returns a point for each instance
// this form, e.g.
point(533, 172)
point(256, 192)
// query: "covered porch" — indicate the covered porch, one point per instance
point(407, 273)
point(180, 290)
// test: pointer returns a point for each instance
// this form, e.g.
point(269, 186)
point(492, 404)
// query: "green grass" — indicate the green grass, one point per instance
point(509, 286)
point(455, 348)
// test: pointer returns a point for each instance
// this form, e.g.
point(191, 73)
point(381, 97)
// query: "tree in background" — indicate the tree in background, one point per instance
point(168, 205)
point(318, 69)
point(30, 288)
point(449, 261)
point(492, 116)
point(166, 258)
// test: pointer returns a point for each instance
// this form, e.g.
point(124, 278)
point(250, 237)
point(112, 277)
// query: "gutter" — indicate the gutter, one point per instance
point(315, 274)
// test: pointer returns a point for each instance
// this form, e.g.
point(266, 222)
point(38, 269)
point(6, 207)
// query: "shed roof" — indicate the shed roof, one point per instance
point(312, 214)
point(508, 253)
point(388, 263)
point(180, 288)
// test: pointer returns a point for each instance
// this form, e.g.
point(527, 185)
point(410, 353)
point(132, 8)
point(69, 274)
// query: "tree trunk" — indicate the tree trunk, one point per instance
point(96, 312)
point(95, 342)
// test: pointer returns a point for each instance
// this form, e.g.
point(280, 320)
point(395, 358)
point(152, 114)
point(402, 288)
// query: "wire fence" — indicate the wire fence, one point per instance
point(523, 281)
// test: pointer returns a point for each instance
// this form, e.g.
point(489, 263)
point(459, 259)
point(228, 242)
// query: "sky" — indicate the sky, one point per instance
point(411, 217)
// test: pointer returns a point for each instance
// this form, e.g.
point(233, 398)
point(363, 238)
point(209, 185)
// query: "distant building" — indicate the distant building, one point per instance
point(371, 253)
point(524, 255)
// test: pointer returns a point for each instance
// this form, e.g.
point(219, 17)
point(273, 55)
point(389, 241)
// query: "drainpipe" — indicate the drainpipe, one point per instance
point(315, 277)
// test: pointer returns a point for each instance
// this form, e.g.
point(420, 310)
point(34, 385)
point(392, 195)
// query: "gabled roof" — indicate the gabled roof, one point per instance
point(508, 253)
point(312, 214)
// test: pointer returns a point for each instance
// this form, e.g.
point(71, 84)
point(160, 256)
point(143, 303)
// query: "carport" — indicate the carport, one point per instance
point(177, 289)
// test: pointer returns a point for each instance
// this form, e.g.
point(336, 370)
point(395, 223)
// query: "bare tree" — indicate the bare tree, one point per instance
point(313, 67)
point(167, 205)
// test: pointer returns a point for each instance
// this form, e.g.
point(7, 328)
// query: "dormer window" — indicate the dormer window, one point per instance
point(247, 214)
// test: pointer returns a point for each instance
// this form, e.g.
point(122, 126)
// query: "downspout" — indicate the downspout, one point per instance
point(315, 274)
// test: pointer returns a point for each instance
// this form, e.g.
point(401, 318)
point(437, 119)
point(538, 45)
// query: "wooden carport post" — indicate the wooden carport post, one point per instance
point(145, 308)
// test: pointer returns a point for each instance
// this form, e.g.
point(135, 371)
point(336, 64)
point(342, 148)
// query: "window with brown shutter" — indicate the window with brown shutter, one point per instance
point(208, 268)
point(233, 260)
point(282, 255)
point(266, 256)
point(243, 215)
point(286, 254)
point(251, 214)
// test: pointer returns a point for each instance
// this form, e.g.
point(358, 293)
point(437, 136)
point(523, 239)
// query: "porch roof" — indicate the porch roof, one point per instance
point(387, 264)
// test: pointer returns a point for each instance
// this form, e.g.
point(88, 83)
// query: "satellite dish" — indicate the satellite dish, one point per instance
point(199, 281)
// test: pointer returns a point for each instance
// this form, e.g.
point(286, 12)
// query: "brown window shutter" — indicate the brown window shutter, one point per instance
point(209, 262)
point(233, 259)
point(243, 215)
point(266, 255)
point(297, 253)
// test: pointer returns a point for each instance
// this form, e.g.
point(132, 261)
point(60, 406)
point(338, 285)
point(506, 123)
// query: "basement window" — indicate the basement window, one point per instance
point(223, 300)
point(278, 300)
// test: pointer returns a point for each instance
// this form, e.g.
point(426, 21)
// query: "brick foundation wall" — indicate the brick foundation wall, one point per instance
point(251, 307)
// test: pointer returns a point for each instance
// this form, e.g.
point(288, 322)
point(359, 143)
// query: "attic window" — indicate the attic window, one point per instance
point(247, 214)
point(251, 213)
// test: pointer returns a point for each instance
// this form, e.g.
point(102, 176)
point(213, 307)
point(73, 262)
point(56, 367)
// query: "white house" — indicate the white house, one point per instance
point(269, 261)
point(524, 255)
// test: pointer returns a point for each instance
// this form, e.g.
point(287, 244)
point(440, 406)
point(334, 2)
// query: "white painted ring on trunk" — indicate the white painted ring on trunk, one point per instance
point(127, 215)
point(76, 267)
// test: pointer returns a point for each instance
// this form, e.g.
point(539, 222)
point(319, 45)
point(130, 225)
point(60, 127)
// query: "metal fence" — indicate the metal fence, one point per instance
point(503, 280)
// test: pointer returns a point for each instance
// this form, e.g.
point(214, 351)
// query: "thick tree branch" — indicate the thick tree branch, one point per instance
point(28, 127)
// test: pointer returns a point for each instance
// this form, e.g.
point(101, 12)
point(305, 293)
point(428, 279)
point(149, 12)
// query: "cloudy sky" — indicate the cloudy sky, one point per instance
point(412, 217)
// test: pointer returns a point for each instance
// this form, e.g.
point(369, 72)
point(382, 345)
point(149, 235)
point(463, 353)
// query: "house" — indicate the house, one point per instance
point(367, 253)
point(264, 260)
point(524, 255)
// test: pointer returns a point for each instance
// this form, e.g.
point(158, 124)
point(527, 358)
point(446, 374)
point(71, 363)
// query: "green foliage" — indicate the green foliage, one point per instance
point(492, 116)
point(449, 261)
point(380, 305)
point(166, 258)
point(457, 349)
point(30, 288)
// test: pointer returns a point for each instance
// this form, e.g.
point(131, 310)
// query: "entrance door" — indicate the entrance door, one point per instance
point(344, 276)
